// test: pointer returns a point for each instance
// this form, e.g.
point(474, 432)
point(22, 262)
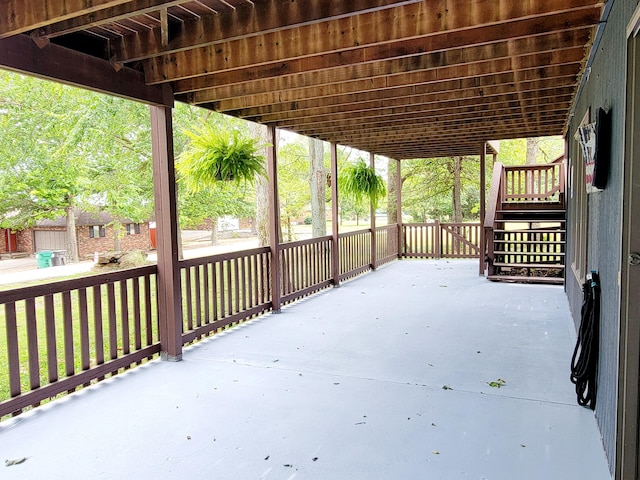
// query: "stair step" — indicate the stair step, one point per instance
point(531, 254)
point(529, 265)
point(529, 220)
point(530, 242)
point(523, 279)
point(537, 230)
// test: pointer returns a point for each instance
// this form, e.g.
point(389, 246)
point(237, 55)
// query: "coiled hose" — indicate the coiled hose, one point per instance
point(584, 363)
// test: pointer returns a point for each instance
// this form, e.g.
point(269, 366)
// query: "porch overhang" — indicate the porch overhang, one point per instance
point(399, 78)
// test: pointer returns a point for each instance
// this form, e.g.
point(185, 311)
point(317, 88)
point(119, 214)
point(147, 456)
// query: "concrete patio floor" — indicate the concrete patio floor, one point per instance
point(385, 377)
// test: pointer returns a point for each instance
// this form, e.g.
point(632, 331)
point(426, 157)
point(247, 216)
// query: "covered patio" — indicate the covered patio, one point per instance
point(385, 377)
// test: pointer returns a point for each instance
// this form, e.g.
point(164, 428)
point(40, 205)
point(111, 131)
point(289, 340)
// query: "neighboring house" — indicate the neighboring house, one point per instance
point(14, 243)
point(94, 233)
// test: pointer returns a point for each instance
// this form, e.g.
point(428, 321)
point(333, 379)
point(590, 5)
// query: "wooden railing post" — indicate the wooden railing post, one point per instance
point(274, 217)
point(437, 236)
point(399, 209)
point(483, 193)
point(372, 210)
point(335, 258)
point(164, 185)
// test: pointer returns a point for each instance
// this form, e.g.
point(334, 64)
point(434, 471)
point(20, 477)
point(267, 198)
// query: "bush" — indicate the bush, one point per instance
point(308, 220)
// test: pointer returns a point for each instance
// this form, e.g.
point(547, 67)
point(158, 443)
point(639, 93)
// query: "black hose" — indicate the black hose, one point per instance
point(584, 363)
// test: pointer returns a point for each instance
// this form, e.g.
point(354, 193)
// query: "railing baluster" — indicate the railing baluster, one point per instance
point(12, 348)
point(84, 329)
point(124, 317)
point(68, 334)
point(137, 317)
point(113, 333)
point(98, 333)
point(198, 292)
point(52, 346)
point(32, 343)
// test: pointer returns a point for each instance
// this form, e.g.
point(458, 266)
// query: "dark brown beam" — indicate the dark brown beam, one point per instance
point(53, 62)
point(244, 22)
point(335, 252)
point(376, 88)
point(19, 16)
point(274, 217)
point(426, 115)
point(244, 53)
point(463, 88)
point(164, 185)
point(263, 79)
point(542, 97)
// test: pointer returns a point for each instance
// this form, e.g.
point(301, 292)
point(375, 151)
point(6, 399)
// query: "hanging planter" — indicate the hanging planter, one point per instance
point(361, 181)
point(216, 155)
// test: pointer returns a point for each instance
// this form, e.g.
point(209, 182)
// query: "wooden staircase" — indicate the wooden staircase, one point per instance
point(525, 229)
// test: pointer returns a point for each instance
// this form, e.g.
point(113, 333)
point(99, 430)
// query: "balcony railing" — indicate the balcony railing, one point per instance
point(441, 240)
point(64, 335)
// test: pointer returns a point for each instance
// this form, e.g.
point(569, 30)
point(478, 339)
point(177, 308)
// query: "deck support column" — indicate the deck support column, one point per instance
point(335, 257)
point(274, 217)
point(399, 208)
point(483, 187)
point(164, 186)
point(372, 215)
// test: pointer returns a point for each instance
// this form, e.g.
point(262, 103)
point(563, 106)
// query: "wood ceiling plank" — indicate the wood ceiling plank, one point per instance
point(376, 88)
point(462, 89)
point(19, 16)
point(432, 102)
point(396, 72)
point(408, 130)
point(401, 121)
point(329, 49)
point(244, 22)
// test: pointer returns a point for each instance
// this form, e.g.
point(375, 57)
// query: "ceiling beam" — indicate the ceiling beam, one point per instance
point(450, 90)
point(19, 16)
point(322, 48)
point(380, 87)
point(244, 22)
point(20, 54)
point(429, 103)
point(401, 121)
point(396, 72)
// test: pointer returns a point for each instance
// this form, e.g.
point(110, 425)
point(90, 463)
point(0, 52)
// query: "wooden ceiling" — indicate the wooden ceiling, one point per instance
point(400, 78)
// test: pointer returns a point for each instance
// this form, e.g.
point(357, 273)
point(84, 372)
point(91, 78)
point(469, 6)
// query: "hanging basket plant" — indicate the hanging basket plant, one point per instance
point(217, 155)
point(360, 181)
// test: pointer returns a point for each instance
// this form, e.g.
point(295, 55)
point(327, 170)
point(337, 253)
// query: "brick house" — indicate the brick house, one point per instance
point(94, 234)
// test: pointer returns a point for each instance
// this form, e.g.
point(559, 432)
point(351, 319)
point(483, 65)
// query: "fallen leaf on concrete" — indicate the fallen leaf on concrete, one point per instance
point(15, 461)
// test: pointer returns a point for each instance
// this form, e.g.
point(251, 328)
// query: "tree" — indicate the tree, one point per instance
point(61, 148)
point(317, 188)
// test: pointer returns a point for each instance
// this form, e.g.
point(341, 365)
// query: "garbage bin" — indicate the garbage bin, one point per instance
point(44, 258)
point(58, 258)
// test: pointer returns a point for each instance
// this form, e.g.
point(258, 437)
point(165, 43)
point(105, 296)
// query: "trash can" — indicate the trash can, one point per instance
point(44, 258)
point(58, 258)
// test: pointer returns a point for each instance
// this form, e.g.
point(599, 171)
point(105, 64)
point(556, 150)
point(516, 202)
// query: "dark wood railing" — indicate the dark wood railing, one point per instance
point(532, 183)
point(386, 244)
point(63, 335)
point(354, 249)
point(441, 240)
point(306, 267)
point(224, 289)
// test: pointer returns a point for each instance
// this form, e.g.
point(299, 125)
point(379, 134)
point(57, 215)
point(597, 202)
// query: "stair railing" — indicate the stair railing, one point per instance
point(534, 183)
point(496, 197)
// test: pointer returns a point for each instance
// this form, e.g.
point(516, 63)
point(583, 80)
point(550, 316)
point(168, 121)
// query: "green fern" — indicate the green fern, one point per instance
point(360, 181)
point(216, 155)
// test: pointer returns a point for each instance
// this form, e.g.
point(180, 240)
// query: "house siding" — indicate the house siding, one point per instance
point(87, 246)
point(605, 88)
